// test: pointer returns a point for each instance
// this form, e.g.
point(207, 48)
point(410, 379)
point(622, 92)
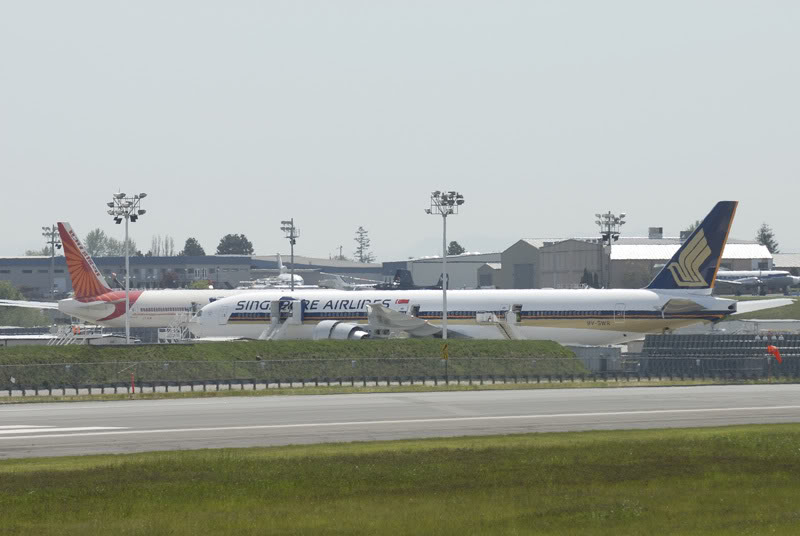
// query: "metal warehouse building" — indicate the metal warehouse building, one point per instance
point(787, 261)
point(631, 262)
point(462, 270)
point(634, 262)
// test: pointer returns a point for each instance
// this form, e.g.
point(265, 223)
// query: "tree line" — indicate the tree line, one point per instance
point(99, 244)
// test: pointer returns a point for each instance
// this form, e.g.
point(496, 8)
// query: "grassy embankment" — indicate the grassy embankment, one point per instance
point(252, 350)
point(282, 360)
point(698, 481)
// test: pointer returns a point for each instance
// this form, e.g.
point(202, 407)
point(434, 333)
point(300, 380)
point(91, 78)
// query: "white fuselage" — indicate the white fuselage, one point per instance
point(568, 316)
point(771, 278)
point(148, 308)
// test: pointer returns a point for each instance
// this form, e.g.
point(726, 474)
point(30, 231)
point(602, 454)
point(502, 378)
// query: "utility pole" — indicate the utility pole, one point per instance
point(53, 240)
point(444, 204)
point(292, 232)
point(126, 208)
point(609, 224)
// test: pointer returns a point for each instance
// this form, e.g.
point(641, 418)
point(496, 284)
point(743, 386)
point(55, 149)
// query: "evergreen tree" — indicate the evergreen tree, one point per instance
point(362, 253)
point(454, 248)
point(766, 237)
point(192, 248)
point(689, 230)
point(234, 244)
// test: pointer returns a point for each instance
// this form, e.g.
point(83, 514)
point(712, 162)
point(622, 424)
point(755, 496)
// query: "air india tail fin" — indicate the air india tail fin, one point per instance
point(694, 266)
point(87, 281)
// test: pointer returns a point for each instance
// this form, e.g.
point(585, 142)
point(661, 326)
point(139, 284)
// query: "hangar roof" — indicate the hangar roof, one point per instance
point(464, 257)
point(628, 252)
point(786, 260)
point(541, 242)
point(623, 240)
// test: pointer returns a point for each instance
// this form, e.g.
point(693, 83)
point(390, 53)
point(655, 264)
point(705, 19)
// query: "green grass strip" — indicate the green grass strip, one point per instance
point(731, 480)
point(254, 350)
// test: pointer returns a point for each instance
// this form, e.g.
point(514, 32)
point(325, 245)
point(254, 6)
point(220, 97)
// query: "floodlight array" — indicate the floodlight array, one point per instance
point(445, 202)
point(121, 207)
point(609, 224)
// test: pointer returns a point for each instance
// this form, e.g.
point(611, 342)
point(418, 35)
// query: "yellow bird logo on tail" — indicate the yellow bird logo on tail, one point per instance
point(686, 270)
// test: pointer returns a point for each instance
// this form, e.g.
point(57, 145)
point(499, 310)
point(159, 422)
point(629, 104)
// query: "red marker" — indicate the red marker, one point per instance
point(774, 351)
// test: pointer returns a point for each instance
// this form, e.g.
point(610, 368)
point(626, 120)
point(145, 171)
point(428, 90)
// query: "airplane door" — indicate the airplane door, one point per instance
point(223, 315)
point(619, 313)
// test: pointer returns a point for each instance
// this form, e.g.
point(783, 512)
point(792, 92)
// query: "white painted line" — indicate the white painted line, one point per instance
point(54, 429)
point(411, 421)
point(119, 404)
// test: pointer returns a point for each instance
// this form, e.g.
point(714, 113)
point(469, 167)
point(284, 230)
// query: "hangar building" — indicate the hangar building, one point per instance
point(787, 261)
point(631, 262)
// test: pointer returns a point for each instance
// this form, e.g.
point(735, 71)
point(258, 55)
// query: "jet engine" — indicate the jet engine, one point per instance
point(334, 329)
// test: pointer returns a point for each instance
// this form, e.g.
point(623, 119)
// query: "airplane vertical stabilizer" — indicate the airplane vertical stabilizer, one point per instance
point(87, 281)
point(694, 266)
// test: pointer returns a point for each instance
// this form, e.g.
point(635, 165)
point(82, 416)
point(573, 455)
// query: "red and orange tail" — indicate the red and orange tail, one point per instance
point(87, 281)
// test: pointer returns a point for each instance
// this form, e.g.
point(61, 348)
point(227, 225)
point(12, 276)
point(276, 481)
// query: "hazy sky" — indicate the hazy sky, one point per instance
point(235, 115)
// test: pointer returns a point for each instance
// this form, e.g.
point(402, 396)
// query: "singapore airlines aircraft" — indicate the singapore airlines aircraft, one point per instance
point(95, 302)
point(680, 295)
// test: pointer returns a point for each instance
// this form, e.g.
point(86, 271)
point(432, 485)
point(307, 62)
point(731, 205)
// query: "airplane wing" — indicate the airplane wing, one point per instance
point(383, 317)
point(29, 304)
point(741, 281)
point(758, 305)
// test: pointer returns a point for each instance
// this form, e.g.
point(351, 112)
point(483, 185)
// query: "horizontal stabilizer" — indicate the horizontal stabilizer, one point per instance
point(29, 304)
point(759, 305)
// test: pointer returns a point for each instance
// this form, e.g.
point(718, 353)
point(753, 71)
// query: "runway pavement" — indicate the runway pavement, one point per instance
point(134, 426)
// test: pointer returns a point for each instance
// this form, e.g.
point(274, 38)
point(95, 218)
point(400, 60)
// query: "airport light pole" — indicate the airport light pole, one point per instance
point(127, 208)
point(609, 224)
point(444, 204)
point(53, 240)
point(292, 232)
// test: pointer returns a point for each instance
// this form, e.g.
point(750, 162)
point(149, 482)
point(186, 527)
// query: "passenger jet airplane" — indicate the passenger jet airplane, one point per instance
point(760, 280)
point(95, 302)
point(680, 295)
